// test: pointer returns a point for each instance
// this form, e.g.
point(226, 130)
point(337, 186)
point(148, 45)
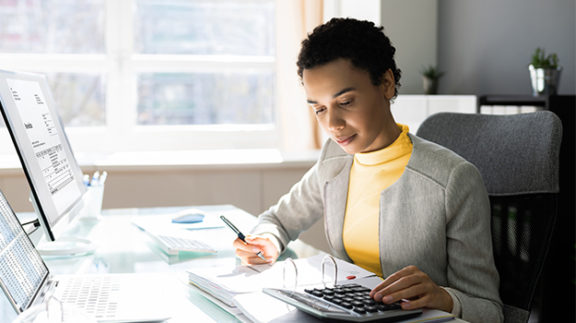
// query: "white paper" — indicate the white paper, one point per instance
point(260, 307)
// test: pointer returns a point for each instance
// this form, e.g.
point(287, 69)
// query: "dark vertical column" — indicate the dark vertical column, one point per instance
point(559, 281)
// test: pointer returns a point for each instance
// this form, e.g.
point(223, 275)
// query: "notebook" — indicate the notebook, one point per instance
point(28, 283)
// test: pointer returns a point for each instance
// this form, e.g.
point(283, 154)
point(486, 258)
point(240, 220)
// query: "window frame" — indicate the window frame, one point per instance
point(119, 65)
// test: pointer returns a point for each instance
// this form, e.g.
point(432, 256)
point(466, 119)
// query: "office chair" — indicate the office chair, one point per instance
point(518, 158)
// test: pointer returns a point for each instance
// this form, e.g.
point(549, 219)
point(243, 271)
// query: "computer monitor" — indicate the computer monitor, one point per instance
point(55, 179)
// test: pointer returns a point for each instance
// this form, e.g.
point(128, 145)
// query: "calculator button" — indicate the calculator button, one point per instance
point(359, 310)
point(346, 305)
point(328, 291)
point(371, 309)
point(353, 297)
point(369, 302)
point(337, 301)
point(329, 297)
point(357, 303)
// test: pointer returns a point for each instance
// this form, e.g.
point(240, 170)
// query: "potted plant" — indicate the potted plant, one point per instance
point(430, 77)
point(544, 73)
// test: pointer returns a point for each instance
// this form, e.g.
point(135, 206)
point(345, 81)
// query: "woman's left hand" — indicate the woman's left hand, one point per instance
point(414, 287)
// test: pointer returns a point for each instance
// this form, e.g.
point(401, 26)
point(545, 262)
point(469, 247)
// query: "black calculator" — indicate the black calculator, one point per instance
point(349, 302)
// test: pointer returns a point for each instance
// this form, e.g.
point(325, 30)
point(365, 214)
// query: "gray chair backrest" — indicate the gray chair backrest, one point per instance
point(518, 157)
point(514, 153)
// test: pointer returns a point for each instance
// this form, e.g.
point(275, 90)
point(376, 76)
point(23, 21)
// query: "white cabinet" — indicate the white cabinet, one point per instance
point(412, 110)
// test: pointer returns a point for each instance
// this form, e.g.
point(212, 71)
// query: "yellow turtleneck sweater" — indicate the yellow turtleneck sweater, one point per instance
point(371, 173)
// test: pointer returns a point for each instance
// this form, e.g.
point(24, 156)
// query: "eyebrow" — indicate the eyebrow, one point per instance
point(337, 94)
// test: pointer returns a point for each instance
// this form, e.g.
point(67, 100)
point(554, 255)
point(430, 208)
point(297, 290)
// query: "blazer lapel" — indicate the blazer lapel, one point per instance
point(335, 196)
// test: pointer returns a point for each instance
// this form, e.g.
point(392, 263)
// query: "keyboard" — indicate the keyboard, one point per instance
point(349, 302)
point(95, 295)
point(173, 245)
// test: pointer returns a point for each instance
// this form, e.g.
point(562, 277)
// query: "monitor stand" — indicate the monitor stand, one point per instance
point(65, 246)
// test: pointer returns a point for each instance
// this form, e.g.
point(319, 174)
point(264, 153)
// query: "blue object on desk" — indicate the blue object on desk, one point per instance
point(188, 218)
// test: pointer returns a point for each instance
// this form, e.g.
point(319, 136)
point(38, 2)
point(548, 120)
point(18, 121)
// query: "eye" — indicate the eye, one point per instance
point(346, 102)
point(319, 110)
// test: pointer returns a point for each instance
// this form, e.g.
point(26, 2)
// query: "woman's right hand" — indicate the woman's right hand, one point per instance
point(248, 252)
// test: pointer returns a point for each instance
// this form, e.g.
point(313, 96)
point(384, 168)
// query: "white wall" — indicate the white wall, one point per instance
point(410, 25)
point(412, 28)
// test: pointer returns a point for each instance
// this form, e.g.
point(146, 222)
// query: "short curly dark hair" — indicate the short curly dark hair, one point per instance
point(364, 44)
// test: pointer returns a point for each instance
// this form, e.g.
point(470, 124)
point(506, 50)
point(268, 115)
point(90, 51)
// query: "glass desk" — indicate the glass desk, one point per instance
point(122, 248)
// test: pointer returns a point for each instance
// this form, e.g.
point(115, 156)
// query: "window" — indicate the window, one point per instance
point(199, 72)
point(65, 26)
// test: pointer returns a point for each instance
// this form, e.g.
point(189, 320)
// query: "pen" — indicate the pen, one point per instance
point(95, 178)
point(103, 178)
point(86, 179)
point(241, 235)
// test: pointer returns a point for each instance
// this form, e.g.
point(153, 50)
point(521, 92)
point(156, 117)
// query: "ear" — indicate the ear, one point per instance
point(388, 84)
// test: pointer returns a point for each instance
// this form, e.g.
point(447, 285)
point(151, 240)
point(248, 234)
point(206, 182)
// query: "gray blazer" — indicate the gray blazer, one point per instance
point(436, 217)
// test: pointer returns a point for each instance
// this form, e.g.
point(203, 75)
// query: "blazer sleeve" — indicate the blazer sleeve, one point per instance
point(295, 212)
point(471, 273)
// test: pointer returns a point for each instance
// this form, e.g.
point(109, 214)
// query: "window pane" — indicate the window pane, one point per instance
point(202, 27)
point(205, 98)
point(80, 98)
point(52, 26)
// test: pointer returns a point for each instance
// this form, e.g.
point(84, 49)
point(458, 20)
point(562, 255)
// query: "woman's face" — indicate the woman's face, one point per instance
point(353, 111)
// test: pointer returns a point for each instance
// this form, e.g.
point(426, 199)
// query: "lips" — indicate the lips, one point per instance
point(344, 140)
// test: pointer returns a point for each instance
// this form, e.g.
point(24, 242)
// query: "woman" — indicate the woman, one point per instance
point(407, 209)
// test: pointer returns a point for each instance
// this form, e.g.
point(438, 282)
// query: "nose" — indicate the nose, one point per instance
point(335, 120)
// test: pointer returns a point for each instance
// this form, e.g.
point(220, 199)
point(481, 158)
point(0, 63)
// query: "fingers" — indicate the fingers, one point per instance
point(241, 245)
point(383, 288)
point(414, 288)
point(405, 288)
point(411, 293)
point(251, 258)
point(248, 251)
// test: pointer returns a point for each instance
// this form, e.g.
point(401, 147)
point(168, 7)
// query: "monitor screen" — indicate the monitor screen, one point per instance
point(54, 176)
